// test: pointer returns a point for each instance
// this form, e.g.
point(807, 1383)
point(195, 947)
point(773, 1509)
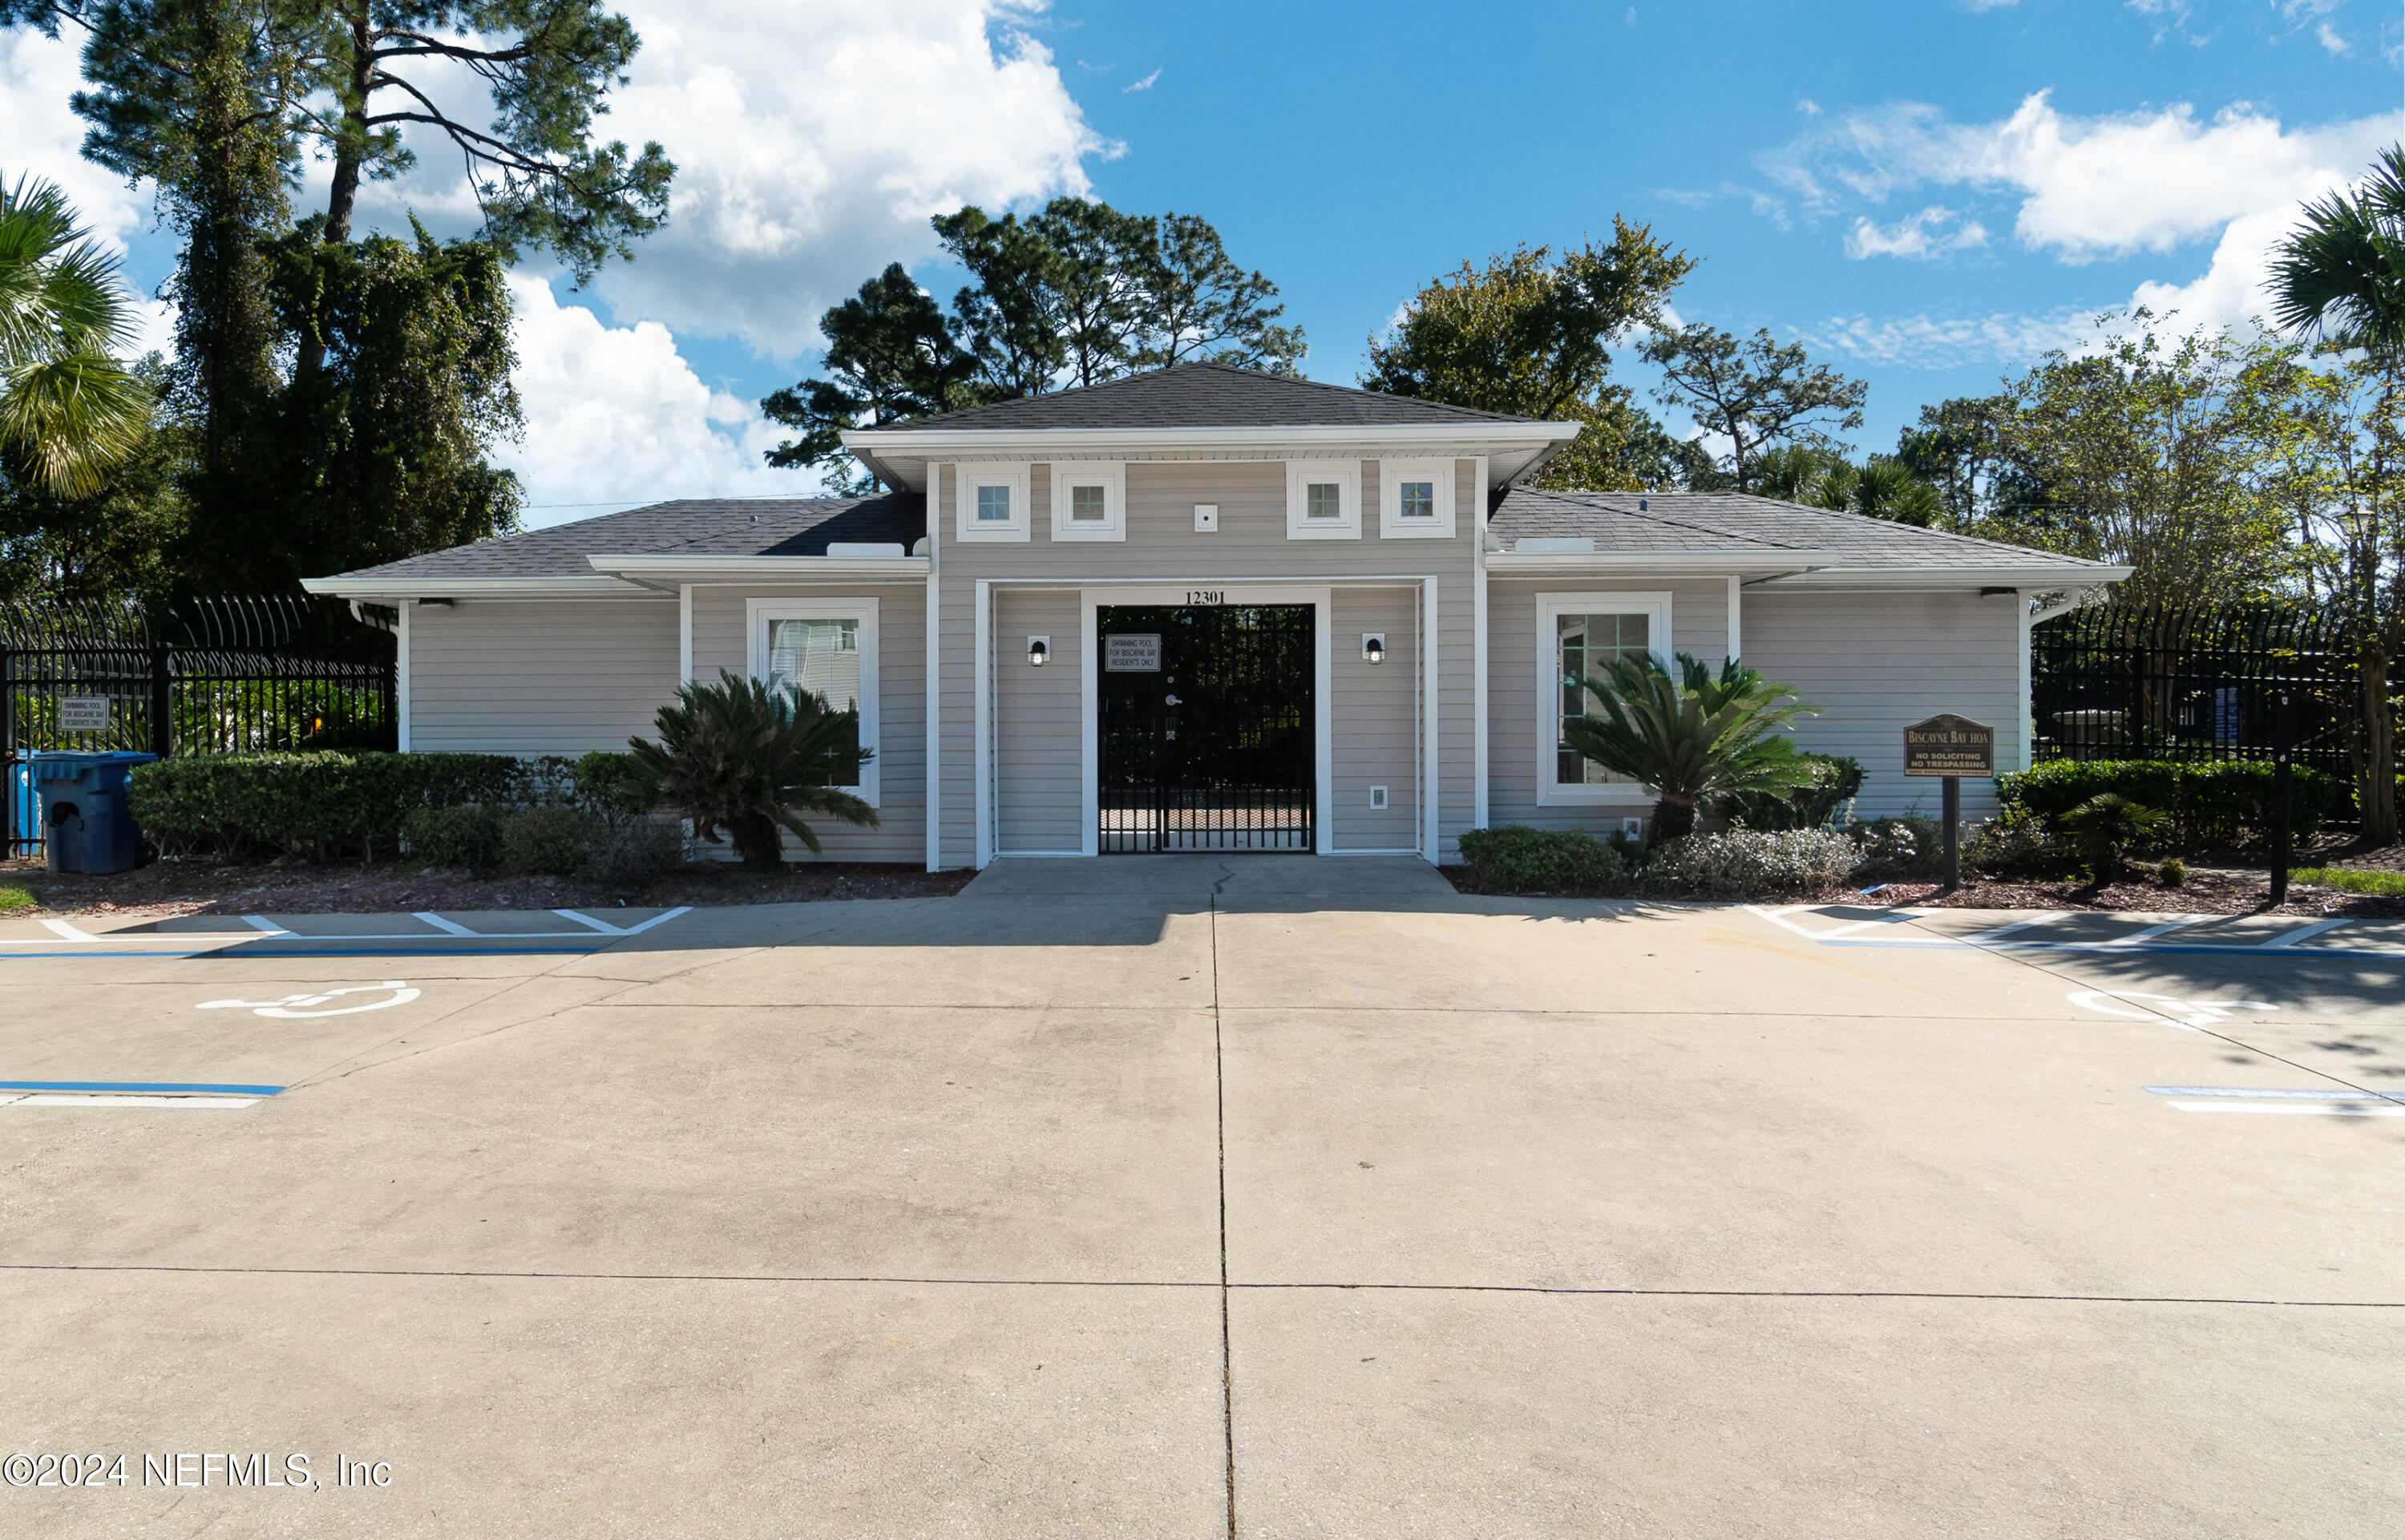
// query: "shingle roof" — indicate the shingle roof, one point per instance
point(689, 527)
point(1723, 521)
point(1205, 395)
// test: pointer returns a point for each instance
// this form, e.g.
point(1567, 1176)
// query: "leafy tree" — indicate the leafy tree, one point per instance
point(382, 449)
point(1075, 294)
point(1880, 488)
point(2154, 452)
point(889, 357)
point(1754, 394)
point(69, 411)
point(751, 759)
point(1532, 336)
point(1691, 737)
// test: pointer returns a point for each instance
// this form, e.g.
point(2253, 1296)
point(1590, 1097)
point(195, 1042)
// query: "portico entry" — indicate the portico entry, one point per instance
point(1205, 726)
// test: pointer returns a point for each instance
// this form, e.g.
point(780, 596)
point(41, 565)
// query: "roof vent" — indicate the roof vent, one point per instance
point(1641, 506)
point(1555, 546)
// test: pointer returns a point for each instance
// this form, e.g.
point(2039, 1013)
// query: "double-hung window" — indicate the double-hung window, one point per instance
point(1415, 499)
point(825, 647)
point(991, 502)
point(1579, 636)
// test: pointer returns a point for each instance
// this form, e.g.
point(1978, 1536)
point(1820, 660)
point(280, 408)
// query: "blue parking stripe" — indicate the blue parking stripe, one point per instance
point(238, 952)
point(139, 1085)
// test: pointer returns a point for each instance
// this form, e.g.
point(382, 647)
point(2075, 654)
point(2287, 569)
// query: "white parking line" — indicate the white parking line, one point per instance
point(2302, 932)
point(438, 923)
point(2325, 1110)
point(261, 922)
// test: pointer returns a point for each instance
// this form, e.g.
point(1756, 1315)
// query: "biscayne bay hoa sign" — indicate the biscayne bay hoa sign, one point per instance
point(1949, 745)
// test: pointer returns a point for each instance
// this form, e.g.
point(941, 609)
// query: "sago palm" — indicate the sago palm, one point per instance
point(742, 757)
point(68, 408)
point(2341, 273)
point(1694, 736)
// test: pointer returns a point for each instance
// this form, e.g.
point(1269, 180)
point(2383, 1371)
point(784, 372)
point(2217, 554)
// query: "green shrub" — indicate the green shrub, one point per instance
point(547, 841)
point(321, 806)
point(469, 838)
point(633, 849)
point(2211, 802)
point(2173, 873)
point(1835, 779)
point(1898, 847)
point(615, 783)
point(2017, 847)
point(2105, 825)
point(1748, 863)
point(1541, 862)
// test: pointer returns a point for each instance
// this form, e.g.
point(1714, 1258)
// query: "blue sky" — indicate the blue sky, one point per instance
point(1929, 194)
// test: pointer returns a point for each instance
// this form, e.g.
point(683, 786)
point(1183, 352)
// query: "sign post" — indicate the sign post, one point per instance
point(1950, 747)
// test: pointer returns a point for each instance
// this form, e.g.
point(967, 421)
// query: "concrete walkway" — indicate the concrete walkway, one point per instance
point(1192, 882)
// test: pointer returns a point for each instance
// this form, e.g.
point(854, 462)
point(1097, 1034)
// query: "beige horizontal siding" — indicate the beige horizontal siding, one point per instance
point(498, 676)
point(1375, 736)
point(720, 642)
point(1517, 675)
point(1876, 663)
point(1039, 723)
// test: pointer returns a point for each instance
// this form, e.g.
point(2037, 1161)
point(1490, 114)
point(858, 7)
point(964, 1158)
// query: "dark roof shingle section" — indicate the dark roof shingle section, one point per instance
point(1723, 521)
point(1206, 395)
point(690, 527)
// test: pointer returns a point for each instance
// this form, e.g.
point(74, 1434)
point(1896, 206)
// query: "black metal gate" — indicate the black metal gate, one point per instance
point(209, 676)
point(1206, 729)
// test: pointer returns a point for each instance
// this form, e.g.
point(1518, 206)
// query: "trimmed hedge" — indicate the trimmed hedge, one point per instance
point(2213, 802)
point(1544, 862)
point(324, 806)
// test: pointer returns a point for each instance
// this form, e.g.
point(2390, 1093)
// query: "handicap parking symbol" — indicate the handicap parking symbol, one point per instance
point(2192, 1014)
point(291, 1005)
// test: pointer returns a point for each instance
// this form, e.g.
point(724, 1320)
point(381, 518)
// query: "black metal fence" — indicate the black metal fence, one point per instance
point(2115, 682)
point(210, 676)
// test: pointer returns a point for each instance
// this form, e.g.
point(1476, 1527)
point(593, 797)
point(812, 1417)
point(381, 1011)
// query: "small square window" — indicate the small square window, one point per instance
point(993, 505)
point(1418, 498)
point(1323, 500)
point(1089, 505)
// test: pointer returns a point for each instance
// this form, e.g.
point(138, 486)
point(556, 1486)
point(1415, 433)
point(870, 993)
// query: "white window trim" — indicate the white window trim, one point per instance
point(1392, 473)
point(758, 613)
point(1653, 603)
point(966, 525)
point(1346, 473)
point(1111, 476)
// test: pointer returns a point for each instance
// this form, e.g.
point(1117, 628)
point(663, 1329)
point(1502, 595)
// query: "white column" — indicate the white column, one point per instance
point(1478, 641)
point(1735, 628)
point(685, 633)
point(401, 676)
point(934, 771)
point(982, 723)
point(1432, 797)
point(2023, 757)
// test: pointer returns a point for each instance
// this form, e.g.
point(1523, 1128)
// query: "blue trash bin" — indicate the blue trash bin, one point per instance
point(87, 816)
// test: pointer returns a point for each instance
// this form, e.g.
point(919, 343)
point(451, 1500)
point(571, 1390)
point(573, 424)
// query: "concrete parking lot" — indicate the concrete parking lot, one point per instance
point(1192, 1197)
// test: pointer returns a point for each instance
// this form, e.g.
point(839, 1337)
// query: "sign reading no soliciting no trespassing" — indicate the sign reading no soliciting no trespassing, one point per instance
point(1949, 745)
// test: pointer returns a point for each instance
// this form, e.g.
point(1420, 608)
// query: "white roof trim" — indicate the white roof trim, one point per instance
point(786, 567)
point(436, 584)
point(1754, 557)
point(942, 443)
point(2029, 578)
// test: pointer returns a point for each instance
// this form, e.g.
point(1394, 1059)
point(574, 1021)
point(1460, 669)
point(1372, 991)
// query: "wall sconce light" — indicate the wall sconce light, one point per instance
point(1039, 650)
point(1374, 648)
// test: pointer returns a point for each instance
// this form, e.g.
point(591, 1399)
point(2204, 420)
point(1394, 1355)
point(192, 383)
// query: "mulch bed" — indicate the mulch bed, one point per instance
point(167, 888)
point(2205, 893)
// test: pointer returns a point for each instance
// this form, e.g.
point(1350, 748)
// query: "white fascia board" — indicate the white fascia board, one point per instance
point(902, 455)
point(595, 585)
point(1841, 579)
point(1653, 563)
point(787, 568)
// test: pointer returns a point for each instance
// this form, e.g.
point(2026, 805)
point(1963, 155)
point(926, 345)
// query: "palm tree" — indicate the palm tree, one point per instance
point(1881, 486)
point(67, 407)
point(2341, 273)
point(749, 758)
point(1690, 738)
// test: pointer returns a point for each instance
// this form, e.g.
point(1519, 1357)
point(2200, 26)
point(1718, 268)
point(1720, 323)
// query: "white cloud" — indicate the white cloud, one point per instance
point(1919, 237)
point(616, 416)
point(2329, 40)
point(37, 76)
point(1145, 84)
point(1930, 342)
point(2102, 187)
point(1975, 6)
